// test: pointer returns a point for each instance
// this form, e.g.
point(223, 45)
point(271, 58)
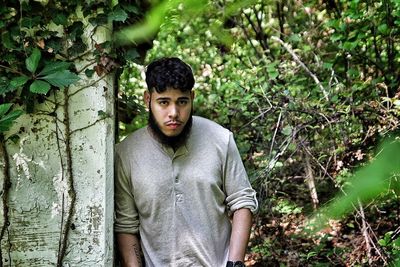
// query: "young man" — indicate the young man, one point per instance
point(182, 196)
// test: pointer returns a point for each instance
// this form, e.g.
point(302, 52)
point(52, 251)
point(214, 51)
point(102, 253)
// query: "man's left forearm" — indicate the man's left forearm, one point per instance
point(241, 226)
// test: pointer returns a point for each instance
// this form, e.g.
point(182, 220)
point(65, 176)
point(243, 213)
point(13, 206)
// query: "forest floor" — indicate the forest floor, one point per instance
point(284, 241)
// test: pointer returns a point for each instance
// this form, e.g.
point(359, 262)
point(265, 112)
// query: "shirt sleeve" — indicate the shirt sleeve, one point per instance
point(126, 215)
point(238, 190)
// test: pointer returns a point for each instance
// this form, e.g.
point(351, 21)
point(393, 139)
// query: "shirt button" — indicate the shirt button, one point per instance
point(176, 179)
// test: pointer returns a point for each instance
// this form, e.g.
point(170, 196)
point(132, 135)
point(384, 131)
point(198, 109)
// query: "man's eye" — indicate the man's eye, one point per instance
point(182, 102)
point(163, 103)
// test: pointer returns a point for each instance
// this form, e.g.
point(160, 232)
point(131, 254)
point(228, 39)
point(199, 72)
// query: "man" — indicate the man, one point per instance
point(180, 182)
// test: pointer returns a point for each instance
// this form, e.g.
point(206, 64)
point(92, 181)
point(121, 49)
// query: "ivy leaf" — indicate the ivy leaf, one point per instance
point(60, 19)
point(61, 78)
point(30, 22)
point(7, 120)
point(7, 41)
point(54, 67)
point(131, 54)
point(89, 73)
point(33, 60)
point(17, 82)
point(4, 85)
point(77, 48)
point(131, 8)
point(75, 30)
point(4, 108)
point(39, 87)
point(118, 15)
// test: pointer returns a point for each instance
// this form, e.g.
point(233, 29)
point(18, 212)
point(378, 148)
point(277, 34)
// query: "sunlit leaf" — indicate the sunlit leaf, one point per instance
point(7, 120)
point(54, 67)
point(4, 108)
point(32, 61)
point(39, 87)
point(61, 78)
point(18, 82)
point(118, 14)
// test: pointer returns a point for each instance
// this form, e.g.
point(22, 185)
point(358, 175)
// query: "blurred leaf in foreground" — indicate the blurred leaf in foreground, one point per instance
point(373, 180)
point(140, 32)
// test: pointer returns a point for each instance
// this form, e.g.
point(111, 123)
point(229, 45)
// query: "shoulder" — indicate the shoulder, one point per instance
point(133, 141)
point(209, 130)
point(206, 124)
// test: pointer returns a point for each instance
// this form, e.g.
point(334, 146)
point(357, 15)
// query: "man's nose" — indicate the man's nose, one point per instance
point(174, 112)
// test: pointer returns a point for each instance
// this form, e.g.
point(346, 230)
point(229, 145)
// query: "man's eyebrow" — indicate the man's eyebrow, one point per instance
point(163, 98)
point(183, 98)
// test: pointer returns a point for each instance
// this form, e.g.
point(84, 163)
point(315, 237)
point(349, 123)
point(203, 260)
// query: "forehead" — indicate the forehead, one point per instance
point(171, 94)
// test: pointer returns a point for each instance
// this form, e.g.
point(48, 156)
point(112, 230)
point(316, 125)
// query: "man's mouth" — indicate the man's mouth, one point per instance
point(173, 125)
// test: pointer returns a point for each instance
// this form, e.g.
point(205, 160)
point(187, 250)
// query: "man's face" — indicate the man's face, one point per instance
point(171, 109)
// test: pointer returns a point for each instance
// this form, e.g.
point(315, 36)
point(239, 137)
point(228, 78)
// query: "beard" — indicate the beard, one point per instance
point(172, 141)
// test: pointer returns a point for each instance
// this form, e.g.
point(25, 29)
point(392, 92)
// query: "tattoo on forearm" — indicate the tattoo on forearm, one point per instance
point(137, 253)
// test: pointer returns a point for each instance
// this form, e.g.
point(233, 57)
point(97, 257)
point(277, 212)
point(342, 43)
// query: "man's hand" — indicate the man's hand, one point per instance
point(129, 247)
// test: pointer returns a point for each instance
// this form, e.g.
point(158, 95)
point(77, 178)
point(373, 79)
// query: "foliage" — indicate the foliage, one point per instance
point(7, 117)
point(42, 41)
point(297, 82)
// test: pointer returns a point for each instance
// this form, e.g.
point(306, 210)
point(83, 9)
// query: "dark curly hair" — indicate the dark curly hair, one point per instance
point(169, 72)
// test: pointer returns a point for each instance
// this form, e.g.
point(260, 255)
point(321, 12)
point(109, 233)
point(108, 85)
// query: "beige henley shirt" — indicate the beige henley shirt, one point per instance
point(179, 202)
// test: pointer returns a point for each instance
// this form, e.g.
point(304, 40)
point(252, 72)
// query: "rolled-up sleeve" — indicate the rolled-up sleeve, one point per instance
point(126, 215)
point(238, 190)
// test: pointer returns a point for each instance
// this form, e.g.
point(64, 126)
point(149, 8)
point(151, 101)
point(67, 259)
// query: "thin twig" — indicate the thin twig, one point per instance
point(70, 183)
point(297, 59)
point(88, 126)
point(364, 231)
point(87, 86)
point(12, 70)
point(275, 132)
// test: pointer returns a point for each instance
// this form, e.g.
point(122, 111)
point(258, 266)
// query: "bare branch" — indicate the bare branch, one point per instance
point(297, 59)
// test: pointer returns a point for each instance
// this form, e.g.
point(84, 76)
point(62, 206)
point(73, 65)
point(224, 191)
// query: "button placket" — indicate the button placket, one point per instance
point(176, 181)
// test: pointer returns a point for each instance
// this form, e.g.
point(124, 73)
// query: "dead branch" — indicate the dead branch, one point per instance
point(310, 181)
point(297, 59)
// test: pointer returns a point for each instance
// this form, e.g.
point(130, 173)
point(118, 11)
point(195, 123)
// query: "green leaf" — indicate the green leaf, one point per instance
point(383, 28)
point(39, 87)
point(287, 130)
point(118, 14)
point(131, 54)
point(18, 82)
point(100, 19)
point(7, 41)
point(89, 73)
point(4, 85)
point(382, 242)
point(54, 67)
point(61, 78)
point(75, 30)
point(7, 121)
point(4, 108)
point(77, 48)
point(33, 61)
point(30, 22)
point(60, 19)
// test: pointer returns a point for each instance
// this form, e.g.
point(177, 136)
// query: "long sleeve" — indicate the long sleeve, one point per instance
point(126, 215)
point(239, 192)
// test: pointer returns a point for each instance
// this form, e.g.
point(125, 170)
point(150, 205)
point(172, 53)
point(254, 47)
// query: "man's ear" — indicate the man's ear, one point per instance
point(147, 98)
